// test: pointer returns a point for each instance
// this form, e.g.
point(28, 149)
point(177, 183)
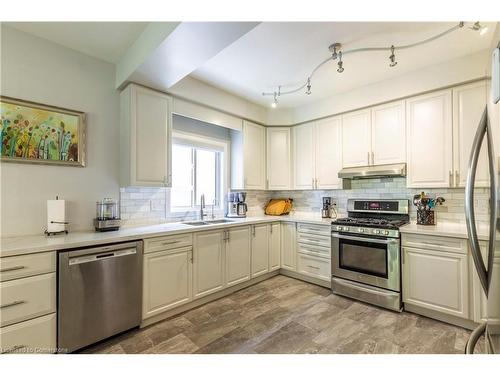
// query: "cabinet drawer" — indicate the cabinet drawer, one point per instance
point(167, 242)
point(322, 230)
point(314, 266)
point(27, 265)
point(314, 250)
point(34, 336)
point(311, 239)
point(454, 245)
point(27, 298)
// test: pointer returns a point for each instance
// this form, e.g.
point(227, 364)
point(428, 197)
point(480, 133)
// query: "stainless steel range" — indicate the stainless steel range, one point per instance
point(366, 251)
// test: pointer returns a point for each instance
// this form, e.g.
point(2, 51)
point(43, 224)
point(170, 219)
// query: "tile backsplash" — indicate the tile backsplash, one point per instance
point(140, 206)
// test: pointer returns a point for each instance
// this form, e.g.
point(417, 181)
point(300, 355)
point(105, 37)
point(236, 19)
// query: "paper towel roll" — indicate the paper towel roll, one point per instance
point(56, 215)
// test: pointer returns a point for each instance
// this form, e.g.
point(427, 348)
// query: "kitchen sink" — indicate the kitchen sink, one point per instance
point(200, 223)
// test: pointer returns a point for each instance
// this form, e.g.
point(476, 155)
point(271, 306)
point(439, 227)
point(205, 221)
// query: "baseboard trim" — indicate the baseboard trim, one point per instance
point(212, 297)
point(450, 319)
point(309, 279)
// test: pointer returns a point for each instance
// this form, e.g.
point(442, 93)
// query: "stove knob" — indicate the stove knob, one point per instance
point(386, 232)
point(361, 230)
point(346, 229)
point(376, 231)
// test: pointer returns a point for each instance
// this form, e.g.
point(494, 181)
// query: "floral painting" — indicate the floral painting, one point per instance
point(32, 132)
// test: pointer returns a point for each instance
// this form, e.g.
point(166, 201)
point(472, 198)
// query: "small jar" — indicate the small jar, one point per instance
point(425, 217)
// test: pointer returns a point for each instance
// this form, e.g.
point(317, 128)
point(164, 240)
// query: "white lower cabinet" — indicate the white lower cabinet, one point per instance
point(208, 263)
point(314, 266)
point(260, 249)
point(274, 246)
point(479, 300)
point(167, 280)
point(34, 336)
point(238, 252)
point(436, 280)
point(288, 246)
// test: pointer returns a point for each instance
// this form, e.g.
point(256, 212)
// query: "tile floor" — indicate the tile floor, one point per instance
point(284, 315)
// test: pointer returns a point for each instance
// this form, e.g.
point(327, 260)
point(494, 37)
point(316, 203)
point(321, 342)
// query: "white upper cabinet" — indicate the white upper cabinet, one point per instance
point(145, 137)
point(304, 156)
point(388, 134)
point(356, 138)
point(469, 102)
point(317, 154)
point(429, 140)
point(279, 165)
point(328, 148)
point(248, 157)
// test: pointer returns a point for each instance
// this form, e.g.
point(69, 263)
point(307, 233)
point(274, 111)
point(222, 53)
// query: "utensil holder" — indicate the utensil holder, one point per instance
point(425, 217)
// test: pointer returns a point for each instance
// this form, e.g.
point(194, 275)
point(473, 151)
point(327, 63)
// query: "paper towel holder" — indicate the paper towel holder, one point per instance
point(65, 231)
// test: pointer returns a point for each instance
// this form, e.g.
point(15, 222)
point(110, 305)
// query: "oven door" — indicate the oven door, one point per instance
point(368, 260)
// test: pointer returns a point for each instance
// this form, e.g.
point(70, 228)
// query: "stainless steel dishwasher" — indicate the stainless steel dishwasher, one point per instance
point(99, 293)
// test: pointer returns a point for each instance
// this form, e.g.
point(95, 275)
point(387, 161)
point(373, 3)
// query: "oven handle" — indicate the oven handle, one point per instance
point(366, 239)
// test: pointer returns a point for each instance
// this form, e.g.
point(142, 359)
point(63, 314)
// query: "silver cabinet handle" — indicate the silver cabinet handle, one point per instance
point(191, 256)
point(13, 349)
point(373, 158)
point(170, 242)
point(312, 183)
point(267, 184)
point(253, 230)
point(228, 235)
point(317, 183)
point(314, 267)
point(451, 182)
point(15, 303)
point(16, 268)
point(457, 178)
point(368, 156)
point(483, 273)
point(271, 228)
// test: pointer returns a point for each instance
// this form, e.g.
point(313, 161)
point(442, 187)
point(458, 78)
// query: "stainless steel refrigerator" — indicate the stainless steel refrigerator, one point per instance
point(488, 267)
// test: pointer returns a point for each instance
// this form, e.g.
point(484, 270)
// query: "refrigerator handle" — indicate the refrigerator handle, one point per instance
point(493, 197)
point(469, 202)
point(474, 337)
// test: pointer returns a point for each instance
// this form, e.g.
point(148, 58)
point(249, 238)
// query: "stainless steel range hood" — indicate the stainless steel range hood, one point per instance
point(374, 171)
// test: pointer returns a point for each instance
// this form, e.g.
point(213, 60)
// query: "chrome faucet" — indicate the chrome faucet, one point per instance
point(202, 206)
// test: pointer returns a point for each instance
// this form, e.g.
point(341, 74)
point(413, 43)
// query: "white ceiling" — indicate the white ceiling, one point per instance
point(284, 53)
point(107, 41)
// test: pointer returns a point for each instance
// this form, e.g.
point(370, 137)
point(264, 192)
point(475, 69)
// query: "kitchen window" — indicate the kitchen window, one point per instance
point(197, 168)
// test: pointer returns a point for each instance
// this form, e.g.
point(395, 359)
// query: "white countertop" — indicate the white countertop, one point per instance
point(445, 229)
point(39, 243)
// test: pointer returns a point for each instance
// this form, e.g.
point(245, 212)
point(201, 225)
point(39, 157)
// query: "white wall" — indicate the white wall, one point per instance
point(37, 70)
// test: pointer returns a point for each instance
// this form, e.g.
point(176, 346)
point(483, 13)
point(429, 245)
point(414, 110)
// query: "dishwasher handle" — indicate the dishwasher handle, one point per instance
point(101, 256)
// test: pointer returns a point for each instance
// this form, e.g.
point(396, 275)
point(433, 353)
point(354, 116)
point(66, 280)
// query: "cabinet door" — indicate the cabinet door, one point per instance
point(389, 133)
point(150, 130)
point(469, 102)
point(288, 246)
point(328, 153)
point(303, 156)
point(166, 280)
point(260, 249)
point(208, 263)
point(254, 154)
point(274, 246)
point(356, 138)
point(436, 280)
point(429, 140)
point(278, 159)
point(237, 255)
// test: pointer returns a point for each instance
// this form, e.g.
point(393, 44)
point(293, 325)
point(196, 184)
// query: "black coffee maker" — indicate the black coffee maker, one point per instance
point(327, 207)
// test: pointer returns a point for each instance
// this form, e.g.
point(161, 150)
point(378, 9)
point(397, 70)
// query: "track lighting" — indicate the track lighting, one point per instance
point(393, 62)
point(336, 54)
point(340, 64)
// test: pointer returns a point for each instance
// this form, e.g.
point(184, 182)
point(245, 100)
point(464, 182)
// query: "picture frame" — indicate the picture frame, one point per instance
point(37, 133)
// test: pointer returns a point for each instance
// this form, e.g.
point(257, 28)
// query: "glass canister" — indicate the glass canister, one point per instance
point(107, 209)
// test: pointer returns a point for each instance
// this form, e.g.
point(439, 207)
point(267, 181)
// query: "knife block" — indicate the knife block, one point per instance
point(425, 217)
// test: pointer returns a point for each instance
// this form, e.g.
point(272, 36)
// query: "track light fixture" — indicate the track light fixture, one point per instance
point(340, 64)
point(393, 62)
point(336, 53)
